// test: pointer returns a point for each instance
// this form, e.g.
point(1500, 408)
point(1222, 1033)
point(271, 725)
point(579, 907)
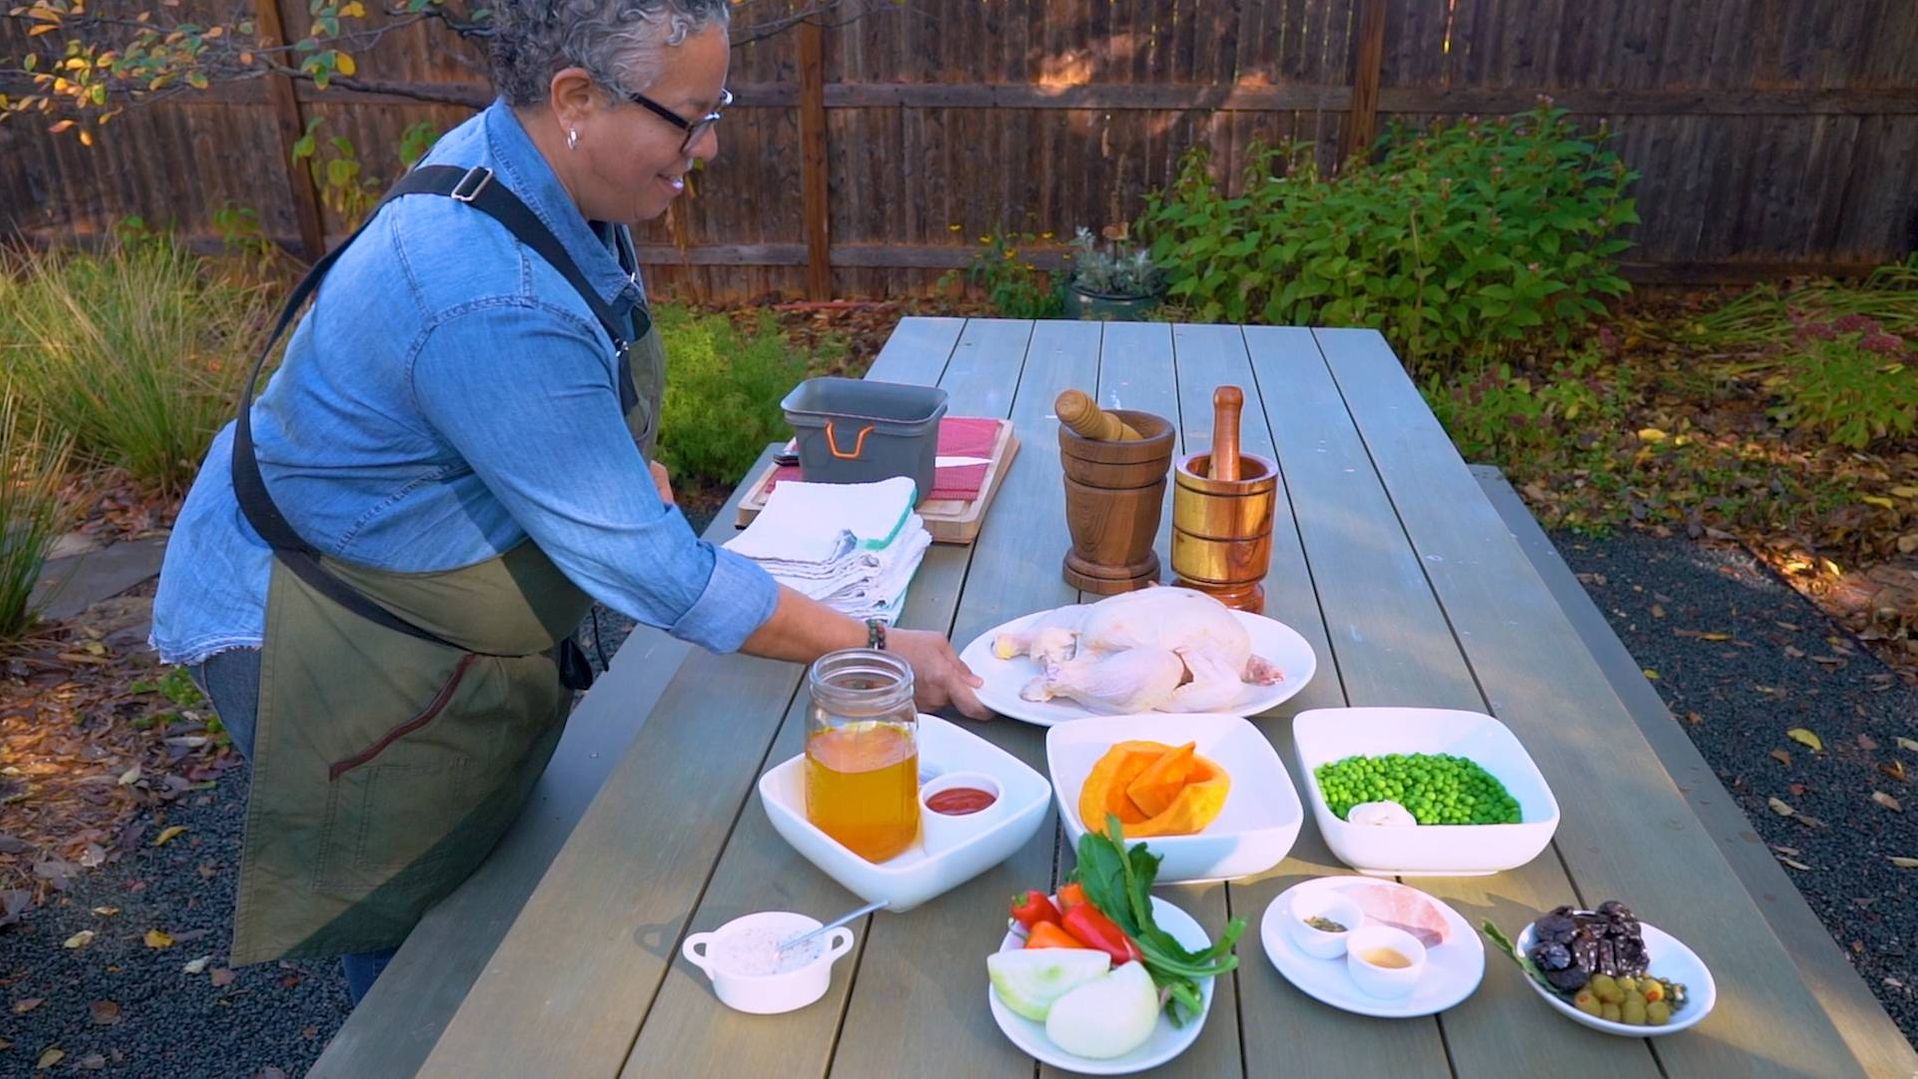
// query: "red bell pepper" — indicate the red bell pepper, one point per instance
point(1051, 935)
point(1071, 895)
point(1032, 908)
point(1098, 931)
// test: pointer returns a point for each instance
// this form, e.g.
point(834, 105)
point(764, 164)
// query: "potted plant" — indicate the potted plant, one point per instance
point(1115, 282)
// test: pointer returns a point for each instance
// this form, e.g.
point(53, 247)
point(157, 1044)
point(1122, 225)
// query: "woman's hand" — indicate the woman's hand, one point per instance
point(662, 480)
point(939, 676)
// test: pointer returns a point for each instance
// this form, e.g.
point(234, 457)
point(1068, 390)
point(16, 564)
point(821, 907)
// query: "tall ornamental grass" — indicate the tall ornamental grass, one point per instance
point(135, 354)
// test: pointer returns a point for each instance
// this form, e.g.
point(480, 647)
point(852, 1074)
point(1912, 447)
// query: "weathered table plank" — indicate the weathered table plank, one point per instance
point(1294, 1034)
point(1137, 370)
point(919, 1002)
point(1399, 649)
point(687, 1032)
point(1626, 832)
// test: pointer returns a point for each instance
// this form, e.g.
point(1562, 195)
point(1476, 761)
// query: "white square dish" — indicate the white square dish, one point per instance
point(917, 875)
point(1325, 735)
point(1262, 813)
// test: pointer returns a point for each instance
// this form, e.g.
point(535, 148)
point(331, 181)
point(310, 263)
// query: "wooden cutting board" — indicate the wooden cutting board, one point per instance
point(950, 520)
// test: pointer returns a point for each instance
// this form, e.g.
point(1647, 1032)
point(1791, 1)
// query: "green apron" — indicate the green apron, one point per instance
point(395, 745)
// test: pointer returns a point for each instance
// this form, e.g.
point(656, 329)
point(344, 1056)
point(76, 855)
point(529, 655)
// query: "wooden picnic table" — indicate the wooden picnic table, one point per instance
point(1412, 589)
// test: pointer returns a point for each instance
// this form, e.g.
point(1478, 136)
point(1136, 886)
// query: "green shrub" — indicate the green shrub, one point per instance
point(136, 354)
point(723, 388)
point(1519, 418)
point(1015, 287)
point(1854, 388)
point(32, 514)
point(1459, 242)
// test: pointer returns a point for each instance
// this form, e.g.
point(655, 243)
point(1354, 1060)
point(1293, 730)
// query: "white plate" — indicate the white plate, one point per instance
point(917, 875)
point(1452, 970)
point(1262, 813)
point(1271, 640)
point(1324, 735)
point(1670, 960)
point(1167, 1041)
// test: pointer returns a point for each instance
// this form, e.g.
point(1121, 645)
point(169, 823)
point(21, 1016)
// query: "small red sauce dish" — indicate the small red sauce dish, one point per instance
point(958, 806)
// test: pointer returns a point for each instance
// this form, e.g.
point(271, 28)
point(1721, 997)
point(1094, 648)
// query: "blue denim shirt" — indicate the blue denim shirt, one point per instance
point(447, 396)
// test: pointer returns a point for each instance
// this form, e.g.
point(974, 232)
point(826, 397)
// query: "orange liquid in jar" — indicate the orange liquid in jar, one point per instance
point(862, 787)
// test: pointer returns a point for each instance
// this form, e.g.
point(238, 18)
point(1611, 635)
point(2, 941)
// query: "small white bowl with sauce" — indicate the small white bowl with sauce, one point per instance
point(1324, 906)
point(1384, 962)
point(957, 805)
point(750, 974)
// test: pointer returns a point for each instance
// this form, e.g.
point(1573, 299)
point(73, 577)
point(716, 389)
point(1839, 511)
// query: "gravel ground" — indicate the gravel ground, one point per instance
point(162, 1021)
point(1780, 665)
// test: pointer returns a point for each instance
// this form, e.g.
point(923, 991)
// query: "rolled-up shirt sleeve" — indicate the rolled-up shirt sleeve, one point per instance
point(524, 392)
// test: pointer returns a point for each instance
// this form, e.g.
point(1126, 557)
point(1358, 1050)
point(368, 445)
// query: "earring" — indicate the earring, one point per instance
point(572, 139)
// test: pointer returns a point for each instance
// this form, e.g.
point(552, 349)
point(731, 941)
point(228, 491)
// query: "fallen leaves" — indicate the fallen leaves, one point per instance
point(1894, 770)
point(197, 966)
point(1779, 807)
point(1650, 675)
point(1887, 801)
point(79, 940)
point(1694, 719)
point(158, 939)
point(104, 1012)
point(1781, 757)
point(1908, 745)
point(53, 1055)
point(168, 834)
point(106, 912)
point(1904, 863)
point(1806, 738)
point(1702, 635)
point(22, 1007)
point(221, 977)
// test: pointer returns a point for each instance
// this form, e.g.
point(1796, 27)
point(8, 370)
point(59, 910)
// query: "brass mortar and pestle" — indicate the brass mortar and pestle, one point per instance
point(1115, 464)
point(1222, 505)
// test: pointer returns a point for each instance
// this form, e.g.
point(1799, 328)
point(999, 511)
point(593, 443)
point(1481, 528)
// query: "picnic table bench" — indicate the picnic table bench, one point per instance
point(1417, 581)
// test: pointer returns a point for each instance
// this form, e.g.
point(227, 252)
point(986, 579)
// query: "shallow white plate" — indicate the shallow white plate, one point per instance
point(1262, 812)
point(984, 840)
point(1324, 735)
point(1167, 1041)
point(1452, 970)
point(1670, 960)
point(1004, 678)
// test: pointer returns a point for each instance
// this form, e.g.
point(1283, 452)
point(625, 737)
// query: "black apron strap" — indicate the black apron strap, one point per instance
point(475, 187)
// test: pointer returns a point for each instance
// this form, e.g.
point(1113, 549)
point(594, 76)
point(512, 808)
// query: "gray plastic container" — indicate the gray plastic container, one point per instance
point(854, 430)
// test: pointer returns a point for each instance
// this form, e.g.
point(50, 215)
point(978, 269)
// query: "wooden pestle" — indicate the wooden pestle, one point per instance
point(1087, 420)
point(1226, 403)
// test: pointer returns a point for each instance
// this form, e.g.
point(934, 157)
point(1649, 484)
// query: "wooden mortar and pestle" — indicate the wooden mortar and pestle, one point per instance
point(1222, 513)
point(1115, 465)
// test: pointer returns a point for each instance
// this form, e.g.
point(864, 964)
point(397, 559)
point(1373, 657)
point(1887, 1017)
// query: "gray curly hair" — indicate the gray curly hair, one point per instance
point(621, 43)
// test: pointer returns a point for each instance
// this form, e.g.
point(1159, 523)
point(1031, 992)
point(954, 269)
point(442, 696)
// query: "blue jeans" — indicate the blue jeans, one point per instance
point(231, 680)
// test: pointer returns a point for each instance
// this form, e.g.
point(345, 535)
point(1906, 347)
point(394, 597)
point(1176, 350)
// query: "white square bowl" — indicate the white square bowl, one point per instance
point(1262, 813)
point(919, 874)
point(1325, 735)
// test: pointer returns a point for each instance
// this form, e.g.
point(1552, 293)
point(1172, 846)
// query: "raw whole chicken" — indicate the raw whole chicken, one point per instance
point(1157, 649)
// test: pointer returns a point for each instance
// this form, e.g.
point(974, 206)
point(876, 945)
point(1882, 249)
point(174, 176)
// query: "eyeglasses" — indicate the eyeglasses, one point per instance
point(694, 129)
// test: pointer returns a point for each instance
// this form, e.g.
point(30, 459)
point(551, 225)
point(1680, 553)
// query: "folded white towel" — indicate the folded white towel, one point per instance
point(822, 523)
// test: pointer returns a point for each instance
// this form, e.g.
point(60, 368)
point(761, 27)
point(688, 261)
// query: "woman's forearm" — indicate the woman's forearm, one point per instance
point(803, 629)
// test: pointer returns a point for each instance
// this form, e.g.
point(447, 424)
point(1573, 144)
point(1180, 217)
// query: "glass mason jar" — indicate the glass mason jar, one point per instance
point(862, 752)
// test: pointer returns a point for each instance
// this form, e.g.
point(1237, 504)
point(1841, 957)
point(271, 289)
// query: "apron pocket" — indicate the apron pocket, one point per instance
point(390, 803)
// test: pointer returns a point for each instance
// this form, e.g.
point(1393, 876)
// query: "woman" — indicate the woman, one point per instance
point(378, 570)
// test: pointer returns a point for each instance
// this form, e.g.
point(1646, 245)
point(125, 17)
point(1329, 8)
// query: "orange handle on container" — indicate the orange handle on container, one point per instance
point(1226, 403)
point(858, 446)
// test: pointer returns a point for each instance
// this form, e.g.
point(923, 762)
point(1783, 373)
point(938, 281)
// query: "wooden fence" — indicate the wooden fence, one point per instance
point(866, 157)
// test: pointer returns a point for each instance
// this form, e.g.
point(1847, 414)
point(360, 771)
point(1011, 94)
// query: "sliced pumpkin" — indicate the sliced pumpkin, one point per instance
point(1155, 789)
point(1105, 789)
point(1197, 804)
point(1160, 783)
